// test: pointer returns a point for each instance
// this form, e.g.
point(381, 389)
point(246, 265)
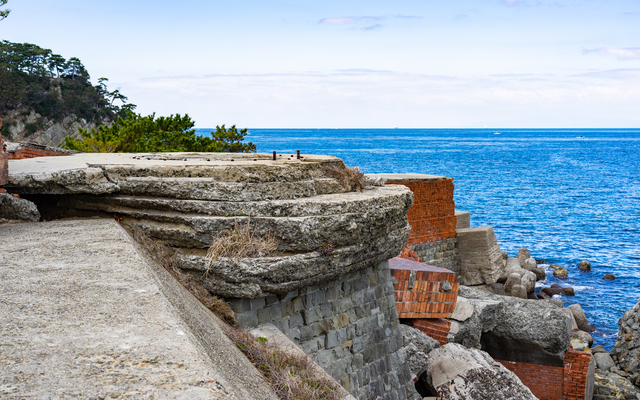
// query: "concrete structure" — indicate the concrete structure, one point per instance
point(481, 261)
point(85, 315)
point(463, 220)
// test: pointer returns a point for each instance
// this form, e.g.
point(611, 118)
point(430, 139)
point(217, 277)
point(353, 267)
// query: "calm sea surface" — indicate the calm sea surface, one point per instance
point(567, 195)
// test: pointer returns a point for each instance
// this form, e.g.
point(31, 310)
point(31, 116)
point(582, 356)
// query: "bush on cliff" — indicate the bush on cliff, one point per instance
point(138, 134)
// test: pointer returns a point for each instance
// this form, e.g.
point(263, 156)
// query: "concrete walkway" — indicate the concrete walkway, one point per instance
point(84, 315)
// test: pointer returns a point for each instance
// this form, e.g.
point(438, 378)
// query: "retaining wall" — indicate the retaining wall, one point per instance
point(349, 325)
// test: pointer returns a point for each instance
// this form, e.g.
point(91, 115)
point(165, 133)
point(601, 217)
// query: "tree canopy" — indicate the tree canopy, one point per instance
point(4, 13)
point(145, 134)
point(52, 86)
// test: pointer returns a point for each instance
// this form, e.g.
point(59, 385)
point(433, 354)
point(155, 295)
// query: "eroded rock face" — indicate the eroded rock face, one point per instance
point(457, 373)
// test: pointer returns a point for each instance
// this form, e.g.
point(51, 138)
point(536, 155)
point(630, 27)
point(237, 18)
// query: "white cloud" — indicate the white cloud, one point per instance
point(338, 21)
point(364, 98)
point(621, 53)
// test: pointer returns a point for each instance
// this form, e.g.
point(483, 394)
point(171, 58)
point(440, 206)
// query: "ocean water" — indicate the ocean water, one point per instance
point(565, 194)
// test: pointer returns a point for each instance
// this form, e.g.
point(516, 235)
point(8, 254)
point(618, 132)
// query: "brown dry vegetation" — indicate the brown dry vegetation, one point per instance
point(352, 179)
point(291, 377)
point(166, 256)
point(240, 242)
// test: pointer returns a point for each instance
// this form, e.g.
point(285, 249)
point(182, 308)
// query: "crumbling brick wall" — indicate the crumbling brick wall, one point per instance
point(31, 150)
point(432, 216)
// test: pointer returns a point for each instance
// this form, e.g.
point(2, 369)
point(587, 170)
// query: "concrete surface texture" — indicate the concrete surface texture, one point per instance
point(85, 316)
point(480, 257)
point(463, 219)
point(187, 199)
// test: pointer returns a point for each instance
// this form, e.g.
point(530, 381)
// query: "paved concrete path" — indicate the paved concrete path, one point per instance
point(84, 315)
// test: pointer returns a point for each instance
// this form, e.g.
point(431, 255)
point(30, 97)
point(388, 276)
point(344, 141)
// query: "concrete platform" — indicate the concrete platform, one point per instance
point(84, 315)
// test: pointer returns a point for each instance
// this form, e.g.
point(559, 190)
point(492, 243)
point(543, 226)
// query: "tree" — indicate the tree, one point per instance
point(138, 134)
point(4, 13)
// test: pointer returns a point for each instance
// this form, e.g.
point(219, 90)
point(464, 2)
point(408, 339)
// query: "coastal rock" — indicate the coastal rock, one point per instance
point(481, 261)
point(578, 313)
point(463, 310)
point(541, 274)
point(568, 291)
point(610, 385)
point(604, 361)
point(530, 264)
point(584, 266)
point(17, 208)
point(510, 324)
point(587, 328)
point(498, 288)
point(609, 277)
point(529, 281)
point(523, 254)
point(458, 373)
point(626, 351)
point(557, 302)
point(512, 280)
point(583, 336)
point(519, 291)
point(418, 346)
point(560, 272)
point(573, 325)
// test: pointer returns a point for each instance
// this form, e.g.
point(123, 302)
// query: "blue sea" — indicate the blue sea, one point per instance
point(565, 194)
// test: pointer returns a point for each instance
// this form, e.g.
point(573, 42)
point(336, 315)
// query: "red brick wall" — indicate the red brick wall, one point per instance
point(32, 152)
point(544, 381)
point(437, 328)
point(555, 383)
point(426, 298)
point(432, 216)
point(576, 367)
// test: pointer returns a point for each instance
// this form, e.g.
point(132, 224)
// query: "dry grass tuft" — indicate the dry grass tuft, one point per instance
point(166, 257)
point(352, 179)
point(291, 377)
point(240, 242)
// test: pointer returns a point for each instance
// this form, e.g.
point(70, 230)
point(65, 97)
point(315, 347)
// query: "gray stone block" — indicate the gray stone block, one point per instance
point(258, 303)
point(248, 319)
point(480, 257)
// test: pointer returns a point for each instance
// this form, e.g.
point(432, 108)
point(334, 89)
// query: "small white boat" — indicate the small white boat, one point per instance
point(497, 133)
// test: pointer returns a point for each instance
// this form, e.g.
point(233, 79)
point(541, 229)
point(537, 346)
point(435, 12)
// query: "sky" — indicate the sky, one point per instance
point(355, 64)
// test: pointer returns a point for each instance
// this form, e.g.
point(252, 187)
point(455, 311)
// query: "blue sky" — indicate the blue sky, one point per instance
point(405, 63)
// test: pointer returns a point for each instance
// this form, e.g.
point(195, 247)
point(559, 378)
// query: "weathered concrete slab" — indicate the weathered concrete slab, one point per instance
point(85, 316)
point(208, 176)
point(463, 219)
point(407, 177)
point(480, 257)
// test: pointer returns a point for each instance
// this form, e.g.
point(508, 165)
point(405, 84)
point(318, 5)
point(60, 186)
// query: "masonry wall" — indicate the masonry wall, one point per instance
point(544, 381)
point(432, 216)
point(570, 382)
point(433, 221)
point(33, 150)
point(349, 325)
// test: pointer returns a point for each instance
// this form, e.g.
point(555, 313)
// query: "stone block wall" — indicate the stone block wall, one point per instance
point(349, 325)
point(423, 291)
point(441, 253)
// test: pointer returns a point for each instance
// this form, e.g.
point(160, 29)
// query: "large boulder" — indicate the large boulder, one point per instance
point(578, 313)
point(508, 327)
point(530, 264)
point(481, 261)
point(16, 208)
point(417, 346)
point(584, 266)
point(457, 373)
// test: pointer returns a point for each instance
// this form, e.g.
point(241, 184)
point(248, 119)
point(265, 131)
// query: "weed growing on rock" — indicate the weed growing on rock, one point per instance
point(166, 257)
point(291, 377)
point(325, 248)
point(352, 179)
point(240, 242)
